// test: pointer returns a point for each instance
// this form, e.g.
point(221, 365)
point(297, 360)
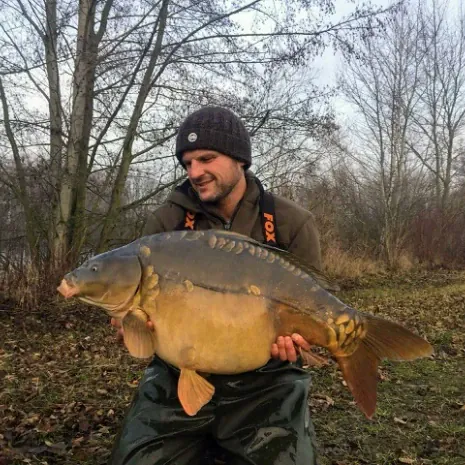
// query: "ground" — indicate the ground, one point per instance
point(65, 383)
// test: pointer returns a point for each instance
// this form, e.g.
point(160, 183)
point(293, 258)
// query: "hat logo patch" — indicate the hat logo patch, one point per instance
point(192, 137)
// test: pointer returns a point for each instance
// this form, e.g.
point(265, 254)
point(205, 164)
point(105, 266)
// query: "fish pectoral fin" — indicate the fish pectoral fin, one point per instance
point(138, 338)
point(310, 358)
point(194, 391)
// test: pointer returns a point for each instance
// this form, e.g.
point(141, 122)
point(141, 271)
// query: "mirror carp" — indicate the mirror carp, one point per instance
point(218, 301)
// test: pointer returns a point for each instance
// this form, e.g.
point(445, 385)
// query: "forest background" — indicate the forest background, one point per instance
point(92, 95)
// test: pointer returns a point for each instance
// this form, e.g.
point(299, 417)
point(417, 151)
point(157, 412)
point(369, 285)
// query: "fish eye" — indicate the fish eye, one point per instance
point(94, 268)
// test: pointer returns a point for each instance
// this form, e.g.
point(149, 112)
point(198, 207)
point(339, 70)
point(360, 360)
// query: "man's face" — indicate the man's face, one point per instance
point(213, 175)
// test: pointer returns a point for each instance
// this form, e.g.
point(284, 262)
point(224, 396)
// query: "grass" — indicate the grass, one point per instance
point(65, 383)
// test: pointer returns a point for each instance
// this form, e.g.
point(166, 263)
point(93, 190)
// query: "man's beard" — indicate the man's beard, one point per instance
point(222, 192)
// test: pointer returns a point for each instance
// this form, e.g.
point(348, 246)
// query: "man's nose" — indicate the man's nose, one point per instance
point(195, 170)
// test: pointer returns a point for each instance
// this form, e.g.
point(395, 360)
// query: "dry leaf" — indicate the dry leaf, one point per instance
point(406, 460)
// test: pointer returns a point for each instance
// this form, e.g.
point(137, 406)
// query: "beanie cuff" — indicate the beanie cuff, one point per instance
point(219, 141)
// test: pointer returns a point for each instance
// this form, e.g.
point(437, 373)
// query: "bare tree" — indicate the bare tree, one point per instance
point(95, 92)
point(382, 88)
point(439, 118)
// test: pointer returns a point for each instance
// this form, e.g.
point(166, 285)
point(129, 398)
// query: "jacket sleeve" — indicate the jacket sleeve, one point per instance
point(153, 225)
point(306, 244)
point(165, 218)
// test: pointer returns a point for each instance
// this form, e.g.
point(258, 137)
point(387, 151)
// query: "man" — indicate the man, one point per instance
point(259, 417)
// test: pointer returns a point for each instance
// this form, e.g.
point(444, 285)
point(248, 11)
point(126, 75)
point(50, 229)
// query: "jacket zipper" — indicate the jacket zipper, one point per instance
point(226, 224)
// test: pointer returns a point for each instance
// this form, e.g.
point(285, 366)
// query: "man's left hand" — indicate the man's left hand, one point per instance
point(284, 347)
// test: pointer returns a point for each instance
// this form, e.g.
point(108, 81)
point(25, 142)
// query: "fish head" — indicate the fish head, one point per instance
point(108, 280)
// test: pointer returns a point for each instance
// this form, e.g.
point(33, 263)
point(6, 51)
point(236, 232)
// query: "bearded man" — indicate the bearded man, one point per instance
point(255, 418)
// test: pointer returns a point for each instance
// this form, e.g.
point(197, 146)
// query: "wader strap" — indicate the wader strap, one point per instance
point(266, 211)
point(268, 217)
point(188, 222)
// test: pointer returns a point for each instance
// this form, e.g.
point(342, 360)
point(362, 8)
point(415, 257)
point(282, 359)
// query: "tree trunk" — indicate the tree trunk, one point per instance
point(71, 227)
point(120, 182)
point(56, 136)
point(21, 191)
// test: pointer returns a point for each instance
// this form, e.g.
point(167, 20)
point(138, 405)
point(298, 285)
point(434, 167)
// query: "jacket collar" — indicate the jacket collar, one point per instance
point(186, 197)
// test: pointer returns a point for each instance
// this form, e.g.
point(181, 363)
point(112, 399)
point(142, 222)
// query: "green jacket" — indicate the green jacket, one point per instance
point(296, 226)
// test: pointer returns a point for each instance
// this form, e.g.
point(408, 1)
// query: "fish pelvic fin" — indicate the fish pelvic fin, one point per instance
point(383, 340)
point(311, 359)
point(137, 337)
point(194, 391)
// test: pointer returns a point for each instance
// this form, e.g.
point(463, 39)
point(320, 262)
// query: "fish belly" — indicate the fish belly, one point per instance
point(211, 331)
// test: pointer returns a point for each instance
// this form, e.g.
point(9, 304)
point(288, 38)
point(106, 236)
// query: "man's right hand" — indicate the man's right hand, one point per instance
point(120, 331)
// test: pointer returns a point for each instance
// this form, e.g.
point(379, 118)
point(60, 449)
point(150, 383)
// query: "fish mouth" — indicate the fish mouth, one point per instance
point(67, 290)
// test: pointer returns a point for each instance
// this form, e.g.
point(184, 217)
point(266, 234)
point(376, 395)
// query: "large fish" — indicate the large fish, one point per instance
point(219, 300)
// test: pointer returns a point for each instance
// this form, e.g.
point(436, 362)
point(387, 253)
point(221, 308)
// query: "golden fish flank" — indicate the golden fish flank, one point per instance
point(188, 356)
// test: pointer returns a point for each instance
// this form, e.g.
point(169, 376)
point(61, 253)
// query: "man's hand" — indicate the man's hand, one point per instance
point(284, 347)
point(120, 331)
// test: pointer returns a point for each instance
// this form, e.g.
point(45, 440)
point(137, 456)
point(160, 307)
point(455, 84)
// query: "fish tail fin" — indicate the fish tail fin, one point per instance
point(137, 337)
point(383, 340)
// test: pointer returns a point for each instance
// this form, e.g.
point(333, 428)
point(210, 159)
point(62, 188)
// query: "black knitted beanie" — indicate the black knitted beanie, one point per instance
point(215, 128)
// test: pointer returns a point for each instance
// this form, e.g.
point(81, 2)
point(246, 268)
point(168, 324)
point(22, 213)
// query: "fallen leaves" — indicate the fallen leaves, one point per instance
point(406, 460)
point(67, 384)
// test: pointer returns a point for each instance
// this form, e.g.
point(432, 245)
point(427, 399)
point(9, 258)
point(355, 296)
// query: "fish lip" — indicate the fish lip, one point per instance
point(67, 289)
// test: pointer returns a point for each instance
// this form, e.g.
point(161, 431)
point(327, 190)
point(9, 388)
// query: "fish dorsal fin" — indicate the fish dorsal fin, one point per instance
point(137, 337)
point(322, 280)
point(194, 391)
